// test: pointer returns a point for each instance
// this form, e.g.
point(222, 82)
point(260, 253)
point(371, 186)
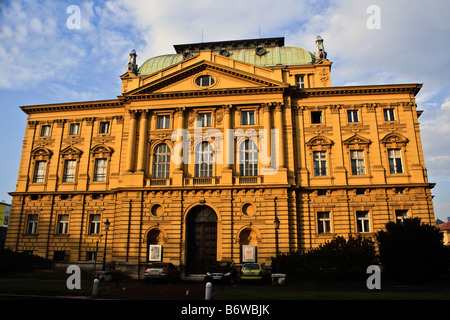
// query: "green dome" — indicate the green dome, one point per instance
point(273, 56)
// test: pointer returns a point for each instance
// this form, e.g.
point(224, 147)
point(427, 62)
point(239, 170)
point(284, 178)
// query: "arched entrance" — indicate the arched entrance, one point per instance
point(201, 235)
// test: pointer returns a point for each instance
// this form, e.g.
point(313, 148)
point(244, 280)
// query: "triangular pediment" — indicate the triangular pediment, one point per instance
point(224, 78)
point(356, 140)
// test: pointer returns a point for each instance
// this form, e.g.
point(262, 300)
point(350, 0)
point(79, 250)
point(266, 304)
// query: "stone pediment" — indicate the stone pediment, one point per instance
point(224, 78)
point(356, 140)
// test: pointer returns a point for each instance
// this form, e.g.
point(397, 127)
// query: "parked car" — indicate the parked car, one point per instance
point(254, 271)
point(221, 271)
point(161, 271)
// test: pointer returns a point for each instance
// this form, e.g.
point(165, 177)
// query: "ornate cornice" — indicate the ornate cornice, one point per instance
point(100, 104)
point(201, 93)
point(357, 90)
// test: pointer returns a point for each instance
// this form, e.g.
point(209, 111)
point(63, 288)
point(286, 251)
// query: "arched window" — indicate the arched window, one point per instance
point(161, 161)
point(248, 159)
point(204, 160)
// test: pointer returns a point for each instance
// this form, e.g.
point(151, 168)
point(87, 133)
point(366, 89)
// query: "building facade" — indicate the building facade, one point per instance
point(205, 148)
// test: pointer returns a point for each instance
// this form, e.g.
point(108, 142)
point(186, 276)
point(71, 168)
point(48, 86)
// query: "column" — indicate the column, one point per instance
point(142, 154)
point(228, 138)
point(268, 131)
point(177, 175)
point(228, 147)
point(279, 126)
point(131, 141)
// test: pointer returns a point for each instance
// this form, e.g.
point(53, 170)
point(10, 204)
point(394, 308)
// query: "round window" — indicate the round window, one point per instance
point(157, 210)
point(248, 209)
point(204, 81)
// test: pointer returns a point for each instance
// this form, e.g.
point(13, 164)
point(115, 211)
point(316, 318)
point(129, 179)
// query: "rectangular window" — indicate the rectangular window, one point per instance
point(100, 170)
point(94, 224)
point(316, 116)
point(39, 171)
point(395, 161)
point(248, 118)
point(32, 224)
point(45, 131)
point(401, 215)
point(320, 163)
point(352, 116)
point(91, 256)
point(74, 129)
point(300, 81)
point(399, 190)
point(163, 122)
point(357, 162)
point(205, 119)
point(63, 223)
point(324, 222)
point(362, 221)
point(104, 127)
point(389, 115)
point(69, 170)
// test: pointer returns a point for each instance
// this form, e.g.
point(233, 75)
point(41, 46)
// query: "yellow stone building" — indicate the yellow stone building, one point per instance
point(205, 148)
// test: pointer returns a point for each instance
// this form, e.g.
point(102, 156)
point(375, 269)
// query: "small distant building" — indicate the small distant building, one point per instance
point(445, 229)
point(4, 218)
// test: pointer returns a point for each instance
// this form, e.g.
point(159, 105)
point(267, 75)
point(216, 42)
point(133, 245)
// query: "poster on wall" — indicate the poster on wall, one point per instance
point(248, 253)
point(155, 252)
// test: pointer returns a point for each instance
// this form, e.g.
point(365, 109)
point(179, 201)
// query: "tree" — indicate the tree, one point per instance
point(412, 252)
point(339, 259)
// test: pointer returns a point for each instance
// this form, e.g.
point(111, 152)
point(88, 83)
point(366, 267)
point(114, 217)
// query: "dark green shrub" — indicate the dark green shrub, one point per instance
point(336, 260)
point(11, 261)
point(412, 252)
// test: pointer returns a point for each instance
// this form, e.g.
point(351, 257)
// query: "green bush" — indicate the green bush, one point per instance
point(412, 252)
point(336, 260)
point(11, 261)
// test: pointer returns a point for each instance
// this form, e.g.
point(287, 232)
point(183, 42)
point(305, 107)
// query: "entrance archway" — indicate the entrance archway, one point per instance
point(201, 241)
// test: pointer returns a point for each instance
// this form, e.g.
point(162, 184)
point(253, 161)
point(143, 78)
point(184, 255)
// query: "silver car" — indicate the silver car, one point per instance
point(161, 271)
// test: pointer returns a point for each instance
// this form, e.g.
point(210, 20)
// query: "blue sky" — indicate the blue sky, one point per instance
point(44, 61)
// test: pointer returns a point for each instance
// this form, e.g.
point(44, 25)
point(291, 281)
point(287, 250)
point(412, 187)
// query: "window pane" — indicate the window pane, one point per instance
point(69, 171)
point(32, 223)
point(163, 122)
point(74, 129)
point(63, 223)
point(389, 114)
point(204, 160)
point(161, 162)
point(320, 163)
point(100, 170)
point(45, 131)
point(352, 116)
point(395, 161)
point(205, 119)
point(300, 82)
point(94, 224)
point(316, 116)
point(39, 172)
point(324, 222)
point(248, 118)
point(357, 162)
point(248, 159)
point(104, 127)
point(363, 223)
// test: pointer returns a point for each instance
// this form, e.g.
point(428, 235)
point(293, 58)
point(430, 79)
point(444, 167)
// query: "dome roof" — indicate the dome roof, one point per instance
point(279, 55)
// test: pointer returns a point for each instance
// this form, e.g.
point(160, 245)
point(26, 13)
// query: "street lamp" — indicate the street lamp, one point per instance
point(276, 224)
point(107, 224)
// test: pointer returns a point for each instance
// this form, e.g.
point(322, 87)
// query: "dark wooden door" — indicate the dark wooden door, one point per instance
point(202, 240)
